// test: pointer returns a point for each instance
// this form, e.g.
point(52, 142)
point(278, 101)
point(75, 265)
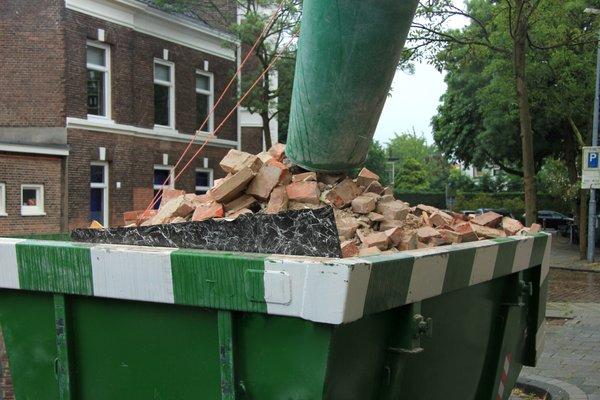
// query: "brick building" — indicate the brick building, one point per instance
point(99, 98)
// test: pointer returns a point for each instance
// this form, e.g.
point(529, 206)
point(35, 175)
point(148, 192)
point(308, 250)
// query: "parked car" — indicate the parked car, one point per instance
point(549, 219)
point(502, 211)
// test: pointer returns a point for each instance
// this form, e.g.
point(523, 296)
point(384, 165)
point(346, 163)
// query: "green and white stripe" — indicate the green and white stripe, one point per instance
point(333, 291)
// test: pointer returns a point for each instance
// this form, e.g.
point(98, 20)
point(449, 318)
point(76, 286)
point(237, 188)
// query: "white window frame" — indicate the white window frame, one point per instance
point(171, 86)
point(211, 97)
point(3, 200)
point(105, 186)
point(210, 179)
point(37, 210)
point(107, 80)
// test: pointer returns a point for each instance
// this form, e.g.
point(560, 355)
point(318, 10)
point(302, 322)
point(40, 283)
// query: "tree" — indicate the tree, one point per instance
point(271, 50)
point(377, 162)
point(501, 38)
point(412, 176)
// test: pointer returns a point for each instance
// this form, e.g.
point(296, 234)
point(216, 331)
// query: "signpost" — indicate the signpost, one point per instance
point(590, 175)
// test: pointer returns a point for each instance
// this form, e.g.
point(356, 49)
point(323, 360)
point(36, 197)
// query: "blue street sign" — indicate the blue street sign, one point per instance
point(592, 160)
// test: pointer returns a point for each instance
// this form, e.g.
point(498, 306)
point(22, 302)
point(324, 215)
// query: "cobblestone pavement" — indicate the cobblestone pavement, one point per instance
point(572, 351)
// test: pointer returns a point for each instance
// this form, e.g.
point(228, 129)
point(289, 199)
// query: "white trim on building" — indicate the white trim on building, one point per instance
point(148, 20)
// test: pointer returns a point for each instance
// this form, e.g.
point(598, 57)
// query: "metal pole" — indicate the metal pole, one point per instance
point(592, 206)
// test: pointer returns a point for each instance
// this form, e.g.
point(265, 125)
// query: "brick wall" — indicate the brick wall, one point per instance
point(131, 161)
point(132, 56)
point(16, 170)
point(32, 63)
point(6, 387)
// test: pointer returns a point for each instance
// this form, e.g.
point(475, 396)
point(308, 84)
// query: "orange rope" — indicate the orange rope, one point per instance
point(198, 131)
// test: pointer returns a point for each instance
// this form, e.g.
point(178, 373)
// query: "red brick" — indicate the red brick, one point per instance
point(440, 218)
point(489, 219)
point(393, 209)
point(244, 201)
point(511, 226)
point(208, 211)
point(343, 193)
point(169, 194)
point(363, 204)
point(487, 232)
point(236, 160)
point(304, 192)
point(232, 186)
point(366, 177)
point(278, 201)
point(349, 248)
point(263, 183)
point(305, 176)
point(374, 239)
point(277, 151)
point(426, 233)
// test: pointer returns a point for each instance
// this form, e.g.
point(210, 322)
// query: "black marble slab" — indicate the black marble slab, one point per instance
point(301, 233)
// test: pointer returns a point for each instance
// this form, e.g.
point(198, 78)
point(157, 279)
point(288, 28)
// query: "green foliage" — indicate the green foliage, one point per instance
point(554, 180)
point(458, 182)
point(376, 162)
point(412, 176)
point(511, 202)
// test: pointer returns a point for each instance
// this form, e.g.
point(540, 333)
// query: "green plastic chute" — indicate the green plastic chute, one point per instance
point(348, 52)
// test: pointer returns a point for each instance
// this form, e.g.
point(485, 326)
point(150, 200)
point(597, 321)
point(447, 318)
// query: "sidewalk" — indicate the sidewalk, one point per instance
point(565, 255)
point(572, 350)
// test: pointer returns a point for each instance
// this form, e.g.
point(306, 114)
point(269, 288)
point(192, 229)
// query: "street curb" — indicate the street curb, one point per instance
point(558, 390)
point(575, 269)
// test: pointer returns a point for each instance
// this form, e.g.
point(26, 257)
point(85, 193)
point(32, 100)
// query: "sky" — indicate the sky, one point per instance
point(414, 98)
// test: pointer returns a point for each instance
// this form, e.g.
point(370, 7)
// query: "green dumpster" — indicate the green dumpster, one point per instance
point(104, 322)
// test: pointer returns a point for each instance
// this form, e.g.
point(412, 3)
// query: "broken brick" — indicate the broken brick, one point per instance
point(264, 157)
point(363, 204)
point(244, 201)
point(366, 177)
point(232, 186)
point(208, 211)
point(347, 227)
point(424, 208)
point(395, 235)
point(511, 226)
point(277, 151)
point(278, 201)
point(234, 214)
point(343, 193)
point(374, 239)
point(490, 219)
point(487, 232)
point(426, 233)
point(235, 160)
point(395, 209)
point(329, 179)
point(169, 194)
point(535, 228)
point(440, 218)
point(96, 225)
point(368, 251)
point(390, 223)
point(374, 187)
point(349, 248)
point(409, 242)
point(305, 176)
point(457, 237)
point(304, 192)
point(375, 217)
point(263, 183)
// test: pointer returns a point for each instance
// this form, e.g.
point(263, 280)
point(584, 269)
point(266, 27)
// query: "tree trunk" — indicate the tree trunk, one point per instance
point(266, 129)
point(519, 62)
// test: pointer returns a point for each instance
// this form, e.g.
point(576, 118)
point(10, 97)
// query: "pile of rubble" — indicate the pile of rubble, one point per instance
point(368, 217)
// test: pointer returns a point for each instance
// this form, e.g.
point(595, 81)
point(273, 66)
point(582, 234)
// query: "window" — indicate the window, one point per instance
point(163, 174)
point(204, 180)
point(2, 200)
point(32, 200)
point(98, 80)
point(99, 193)
point(204, 100)
point(164, 94)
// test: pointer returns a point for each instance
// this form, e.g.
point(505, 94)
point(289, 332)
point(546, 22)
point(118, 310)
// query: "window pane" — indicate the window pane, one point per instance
point(97, 174)
point(202, 178)
point(95, 92)
point(162, 175)
point(161, 72)
point(30, 197)
point(97, 204)
point(202, 112)
point(95, 55)
point(202, 82)
point(158, 200)
point(161, 105)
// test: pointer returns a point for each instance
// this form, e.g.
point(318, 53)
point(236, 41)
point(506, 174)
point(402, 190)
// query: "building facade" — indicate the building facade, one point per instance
point(98, 100)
